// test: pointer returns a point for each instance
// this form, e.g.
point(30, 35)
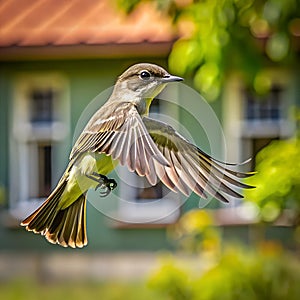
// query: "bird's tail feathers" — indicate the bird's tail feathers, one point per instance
point(66, 227)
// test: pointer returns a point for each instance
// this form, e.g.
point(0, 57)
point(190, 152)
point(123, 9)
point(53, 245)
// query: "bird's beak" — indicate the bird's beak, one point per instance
point(171, 78)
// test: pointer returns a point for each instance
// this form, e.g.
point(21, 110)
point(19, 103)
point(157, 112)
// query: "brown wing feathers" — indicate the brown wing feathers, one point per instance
point(153, 149)
point(124, 137)
point(190, 168)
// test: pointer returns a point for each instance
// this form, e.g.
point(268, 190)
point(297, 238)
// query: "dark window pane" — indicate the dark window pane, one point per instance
point(44, 170)
point(153, 192)
point(258, 144)
point(41, 108)
point(249, 106)
point(274, 114)
point(264, 108)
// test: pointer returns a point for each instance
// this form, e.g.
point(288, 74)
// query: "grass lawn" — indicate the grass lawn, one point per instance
point(28, 289)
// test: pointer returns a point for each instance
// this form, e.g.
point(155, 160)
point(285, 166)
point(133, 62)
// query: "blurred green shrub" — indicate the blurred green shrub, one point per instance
point(277, 180)
point(229, 272)
point(267, 273)
point(195, 232)
point(172, 280)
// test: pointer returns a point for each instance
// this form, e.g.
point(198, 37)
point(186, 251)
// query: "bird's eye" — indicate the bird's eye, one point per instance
point(145, 75)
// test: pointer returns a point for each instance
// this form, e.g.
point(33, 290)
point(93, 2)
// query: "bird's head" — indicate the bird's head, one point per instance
point(142, 82)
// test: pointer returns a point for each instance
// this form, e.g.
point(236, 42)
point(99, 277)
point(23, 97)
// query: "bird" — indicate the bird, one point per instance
point(121, 132)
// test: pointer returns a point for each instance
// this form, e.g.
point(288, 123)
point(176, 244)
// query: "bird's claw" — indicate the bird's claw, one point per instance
point(105, 184)
point(109, 185)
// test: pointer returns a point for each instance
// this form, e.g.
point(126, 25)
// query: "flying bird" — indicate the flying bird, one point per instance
point(121, 132)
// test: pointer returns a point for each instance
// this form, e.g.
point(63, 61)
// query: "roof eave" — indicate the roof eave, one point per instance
point(85, 51)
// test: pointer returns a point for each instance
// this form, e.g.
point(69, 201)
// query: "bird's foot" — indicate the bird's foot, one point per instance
point(104, 183)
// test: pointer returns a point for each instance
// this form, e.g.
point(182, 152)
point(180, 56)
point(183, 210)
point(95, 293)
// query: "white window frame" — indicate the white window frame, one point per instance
point(237, 129)
point(25, 137)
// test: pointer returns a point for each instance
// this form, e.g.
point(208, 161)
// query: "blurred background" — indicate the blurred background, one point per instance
point(242, 57)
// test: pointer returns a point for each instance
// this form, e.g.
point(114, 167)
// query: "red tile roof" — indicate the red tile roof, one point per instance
point(77, 22)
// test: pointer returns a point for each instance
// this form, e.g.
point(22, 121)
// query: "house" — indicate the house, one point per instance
point(59, 61)
point(55, 59)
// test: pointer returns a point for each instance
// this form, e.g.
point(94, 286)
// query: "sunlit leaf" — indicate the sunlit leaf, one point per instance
point(186, 55)
point(262, 83)
point(278, 46)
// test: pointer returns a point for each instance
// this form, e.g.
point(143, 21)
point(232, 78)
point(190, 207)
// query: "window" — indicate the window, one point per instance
point(42, 105)
point(264, 117)
point(267, 108)
point(251, 122)
point(40, 127)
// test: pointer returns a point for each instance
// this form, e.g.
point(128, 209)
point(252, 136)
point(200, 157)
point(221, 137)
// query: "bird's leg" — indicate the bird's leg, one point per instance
point(104, 183)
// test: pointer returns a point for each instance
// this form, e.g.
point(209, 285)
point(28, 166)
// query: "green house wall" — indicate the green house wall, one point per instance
point(86, 79)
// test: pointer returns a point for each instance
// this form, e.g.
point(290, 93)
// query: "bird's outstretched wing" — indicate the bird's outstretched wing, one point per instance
point(189, 168)
point(119, 131)
point(155, 150)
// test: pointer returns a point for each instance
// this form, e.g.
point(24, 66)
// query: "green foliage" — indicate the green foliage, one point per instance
point(277, 180)
point(242, 274)
point(237, 274)
point(128, 5)
point(229, 272)
point(195, 232)
point(224, 35)
point(172, 280)
point(30, 289)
